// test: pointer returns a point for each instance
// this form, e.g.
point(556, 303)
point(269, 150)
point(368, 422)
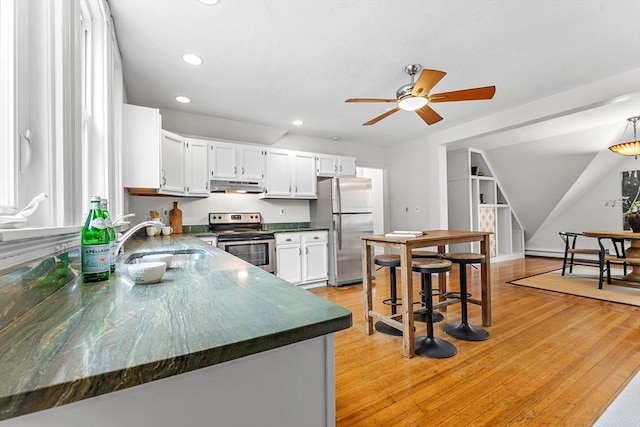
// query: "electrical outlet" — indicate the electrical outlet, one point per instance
point(165, 212)
point(417, 209)
point(282, 212)
point(406, 210)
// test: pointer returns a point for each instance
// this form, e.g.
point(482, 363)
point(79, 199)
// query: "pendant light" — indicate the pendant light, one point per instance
point(630, 148)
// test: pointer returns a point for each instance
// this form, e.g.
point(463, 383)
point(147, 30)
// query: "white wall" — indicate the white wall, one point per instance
point(366, 156)
point(587, 212)
point(417, 188)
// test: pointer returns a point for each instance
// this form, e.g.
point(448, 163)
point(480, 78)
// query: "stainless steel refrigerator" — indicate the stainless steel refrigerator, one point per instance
point(344, 206)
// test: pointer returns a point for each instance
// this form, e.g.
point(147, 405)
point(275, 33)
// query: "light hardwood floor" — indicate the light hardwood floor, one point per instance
point(552, 359)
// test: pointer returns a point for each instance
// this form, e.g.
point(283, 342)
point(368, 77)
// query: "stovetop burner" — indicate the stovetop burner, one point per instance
point(238, 226)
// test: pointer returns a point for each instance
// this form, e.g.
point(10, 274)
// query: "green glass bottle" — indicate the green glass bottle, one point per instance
point(95, 246)
point(112, 235)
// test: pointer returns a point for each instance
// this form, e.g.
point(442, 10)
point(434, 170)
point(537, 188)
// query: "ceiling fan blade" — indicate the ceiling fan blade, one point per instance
point(486, 92)
point(427, 80)
point(370, 100)
point(381, 116)
point(427, 114)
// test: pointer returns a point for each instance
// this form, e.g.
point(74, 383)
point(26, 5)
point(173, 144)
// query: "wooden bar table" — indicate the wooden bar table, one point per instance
point(632, 254)
point(439, 238)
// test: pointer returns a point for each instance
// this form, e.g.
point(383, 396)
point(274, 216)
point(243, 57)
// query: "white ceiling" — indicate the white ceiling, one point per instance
point(270, 62)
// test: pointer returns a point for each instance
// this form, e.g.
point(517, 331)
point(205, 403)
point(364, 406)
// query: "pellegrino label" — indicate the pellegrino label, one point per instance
point(98, 223)
point(95, 258)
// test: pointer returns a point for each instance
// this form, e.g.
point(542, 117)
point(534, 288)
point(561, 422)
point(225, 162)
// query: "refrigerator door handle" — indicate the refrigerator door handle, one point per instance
point(337, 226)
point(338, 196)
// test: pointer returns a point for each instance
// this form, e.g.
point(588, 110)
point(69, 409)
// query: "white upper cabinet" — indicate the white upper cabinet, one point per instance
point(304, 180)
point(153, 159)
point(346, 166)
point(173, 162)
point(278, 170)
point(290, 174)
point(251, 161)
point(229, 161)
point(156, 161)
point(331, 165)
point(141, 157)
point(197, 170)
point(222, 160)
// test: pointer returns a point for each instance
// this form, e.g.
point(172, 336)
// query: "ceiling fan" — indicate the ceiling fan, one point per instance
point(415, 96)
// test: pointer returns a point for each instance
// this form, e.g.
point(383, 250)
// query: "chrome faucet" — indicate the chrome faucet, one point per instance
point(120, 241)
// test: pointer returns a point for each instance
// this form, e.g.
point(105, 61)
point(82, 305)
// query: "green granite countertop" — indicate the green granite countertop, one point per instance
point(84, 340)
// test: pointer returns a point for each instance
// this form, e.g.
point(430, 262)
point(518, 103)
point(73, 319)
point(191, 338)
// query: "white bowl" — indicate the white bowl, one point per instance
point(147, 272)
point(166, 258)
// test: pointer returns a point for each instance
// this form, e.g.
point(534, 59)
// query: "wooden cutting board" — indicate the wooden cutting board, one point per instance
point(175, 218)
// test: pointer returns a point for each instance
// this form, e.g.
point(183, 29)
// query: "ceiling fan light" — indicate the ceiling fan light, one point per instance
point(412, 103)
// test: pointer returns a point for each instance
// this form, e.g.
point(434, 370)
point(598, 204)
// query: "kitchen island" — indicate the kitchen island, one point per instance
point(217, 342)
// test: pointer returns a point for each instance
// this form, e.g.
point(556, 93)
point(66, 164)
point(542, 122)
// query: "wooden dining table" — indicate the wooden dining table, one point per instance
point(632, 253)
point(405, 245)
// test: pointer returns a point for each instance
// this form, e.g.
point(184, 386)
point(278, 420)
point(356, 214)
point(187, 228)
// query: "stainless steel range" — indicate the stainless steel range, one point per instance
point(241, 235)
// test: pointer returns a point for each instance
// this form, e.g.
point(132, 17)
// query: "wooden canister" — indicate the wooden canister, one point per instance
point(175, 218)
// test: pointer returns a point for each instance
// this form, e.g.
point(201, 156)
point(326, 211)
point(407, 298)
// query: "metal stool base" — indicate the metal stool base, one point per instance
point(436, 348)
point(466, 332)
point(387, 330)
point(422, 317)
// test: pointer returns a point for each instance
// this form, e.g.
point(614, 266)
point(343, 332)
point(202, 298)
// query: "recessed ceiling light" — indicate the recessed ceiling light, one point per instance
point(297, 122)
point(183, 99)
point(209, 2)
point(192, 59)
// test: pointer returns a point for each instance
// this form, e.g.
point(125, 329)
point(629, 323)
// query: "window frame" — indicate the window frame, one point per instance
point(8, 137)
point(58, 29)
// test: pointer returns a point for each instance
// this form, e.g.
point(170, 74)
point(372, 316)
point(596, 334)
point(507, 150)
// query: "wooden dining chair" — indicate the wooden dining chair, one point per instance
point(619, 257)
point(570, 250)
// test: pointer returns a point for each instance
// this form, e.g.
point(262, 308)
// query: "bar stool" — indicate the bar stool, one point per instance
point(429, 345)
point(464, 330)
point(392, 262)
point(422, 317)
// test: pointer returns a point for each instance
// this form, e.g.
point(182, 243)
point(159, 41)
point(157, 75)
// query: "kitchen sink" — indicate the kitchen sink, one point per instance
point(178, 255)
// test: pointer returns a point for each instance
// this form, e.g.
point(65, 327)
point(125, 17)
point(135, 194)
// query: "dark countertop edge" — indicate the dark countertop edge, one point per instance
point(39, 400)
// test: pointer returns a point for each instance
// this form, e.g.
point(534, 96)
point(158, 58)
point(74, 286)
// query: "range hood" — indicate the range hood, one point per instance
point(217, 186)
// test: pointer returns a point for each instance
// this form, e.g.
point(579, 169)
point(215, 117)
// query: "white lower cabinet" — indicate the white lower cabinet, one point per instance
point(302, 258)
